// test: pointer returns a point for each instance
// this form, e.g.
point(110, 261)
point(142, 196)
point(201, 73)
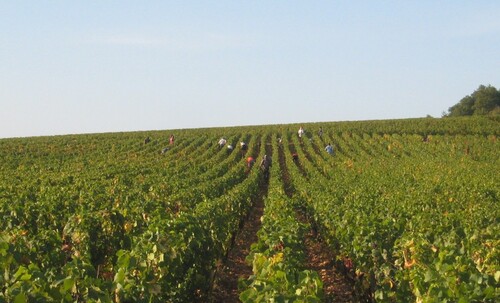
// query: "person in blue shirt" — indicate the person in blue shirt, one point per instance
point(329, 149)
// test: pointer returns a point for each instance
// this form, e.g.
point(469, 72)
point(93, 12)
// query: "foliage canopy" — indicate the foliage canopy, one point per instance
point(483, 101)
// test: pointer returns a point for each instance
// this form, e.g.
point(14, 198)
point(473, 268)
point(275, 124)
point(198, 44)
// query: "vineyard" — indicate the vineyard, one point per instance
point(408, 208)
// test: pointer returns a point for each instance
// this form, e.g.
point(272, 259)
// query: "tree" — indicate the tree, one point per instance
point(487, 98)
point(483, 101)
point(462, 108)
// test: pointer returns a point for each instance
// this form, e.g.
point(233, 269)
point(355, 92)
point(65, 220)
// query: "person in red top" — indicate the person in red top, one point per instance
point(172, 139)
point(250, 162)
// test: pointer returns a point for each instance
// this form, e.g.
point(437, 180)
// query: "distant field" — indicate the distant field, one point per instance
point(410, 208)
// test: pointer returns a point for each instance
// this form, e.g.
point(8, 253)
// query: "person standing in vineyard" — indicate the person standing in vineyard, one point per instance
point(320, 132)
point(265, 164)
point(171, 139)
point(329, 149)
point(222, 142)
point(250, 162)
point(301, 132)
point(243, 146)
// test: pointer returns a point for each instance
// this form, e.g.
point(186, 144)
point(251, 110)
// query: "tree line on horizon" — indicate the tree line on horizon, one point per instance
point(485, 100)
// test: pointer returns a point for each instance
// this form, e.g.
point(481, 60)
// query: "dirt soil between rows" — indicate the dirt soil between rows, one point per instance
point(235, 266)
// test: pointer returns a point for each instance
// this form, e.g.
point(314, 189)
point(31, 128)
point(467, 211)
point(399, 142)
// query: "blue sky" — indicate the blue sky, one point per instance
point(102, 66)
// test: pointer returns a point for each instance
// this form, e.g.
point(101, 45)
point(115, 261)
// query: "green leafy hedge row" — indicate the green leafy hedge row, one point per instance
point(83, 226)
point(419, 220)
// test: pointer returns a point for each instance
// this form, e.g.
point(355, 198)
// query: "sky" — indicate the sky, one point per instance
point(70, 67)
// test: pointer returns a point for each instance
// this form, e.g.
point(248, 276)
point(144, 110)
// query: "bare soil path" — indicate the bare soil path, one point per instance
point(235, 267)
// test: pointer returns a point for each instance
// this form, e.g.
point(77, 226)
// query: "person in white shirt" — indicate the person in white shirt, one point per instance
point(243, 146)
point(301, 132)
point(222, 142)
